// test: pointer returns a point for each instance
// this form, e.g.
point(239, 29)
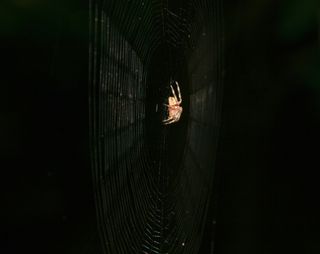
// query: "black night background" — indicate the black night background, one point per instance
point(266, 187)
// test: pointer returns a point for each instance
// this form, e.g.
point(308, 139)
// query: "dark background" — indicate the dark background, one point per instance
point(268, 151)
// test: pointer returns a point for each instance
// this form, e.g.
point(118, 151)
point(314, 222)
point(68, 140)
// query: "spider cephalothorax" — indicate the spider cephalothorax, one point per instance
point(174, 108)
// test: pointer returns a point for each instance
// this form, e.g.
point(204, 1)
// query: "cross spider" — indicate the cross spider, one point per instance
point(174, 108)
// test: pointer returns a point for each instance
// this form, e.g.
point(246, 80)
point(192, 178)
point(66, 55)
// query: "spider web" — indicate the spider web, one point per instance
point(153, 184)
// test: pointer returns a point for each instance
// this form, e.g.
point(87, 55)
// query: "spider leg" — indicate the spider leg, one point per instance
point(168, 122)
point(174, 93)
point(179, 93)
point(168, 119)
point(174, 120)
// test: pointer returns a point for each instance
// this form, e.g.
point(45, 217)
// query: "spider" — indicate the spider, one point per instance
point(174, 108)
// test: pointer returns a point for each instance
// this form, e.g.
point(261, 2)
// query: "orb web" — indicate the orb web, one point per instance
point(153, 183)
